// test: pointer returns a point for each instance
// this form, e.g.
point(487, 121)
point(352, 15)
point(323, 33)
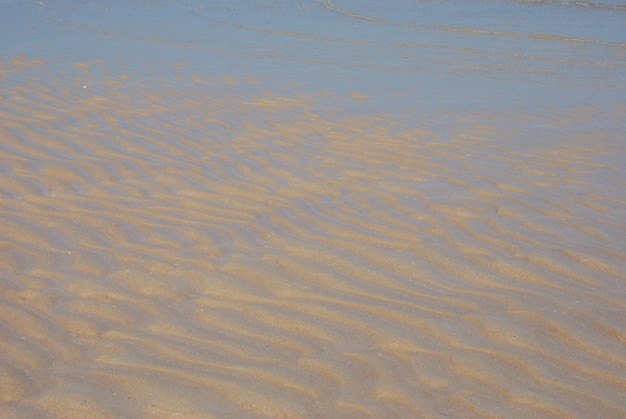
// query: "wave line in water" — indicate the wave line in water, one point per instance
point(328, 4)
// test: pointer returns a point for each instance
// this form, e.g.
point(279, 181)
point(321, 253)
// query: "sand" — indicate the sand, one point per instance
point(176, 243)
point(169, 253)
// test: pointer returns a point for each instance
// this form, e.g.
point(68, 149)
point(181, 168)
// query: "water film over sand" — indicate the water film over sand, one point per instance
point(312, 209)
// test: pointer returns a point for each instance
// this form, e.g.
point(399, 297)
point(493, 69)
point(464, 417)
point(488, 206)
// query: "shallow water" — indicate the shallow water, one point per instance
point(312, 209)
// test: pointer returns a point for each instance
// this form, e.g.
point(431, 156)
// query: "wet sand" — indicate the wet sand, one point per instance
point(325, 209)
point(169, 251)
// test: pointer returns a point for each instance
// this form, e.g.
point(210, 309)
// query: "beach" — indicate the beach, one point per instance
point(312, 209)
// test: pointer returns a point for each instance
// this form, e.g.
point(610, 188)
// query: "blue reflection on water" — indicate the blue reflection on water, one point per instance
point(444, 53)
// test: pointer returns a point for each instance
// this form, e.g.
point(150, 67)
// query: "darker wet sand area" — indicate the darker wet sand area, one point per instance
point(181, 245)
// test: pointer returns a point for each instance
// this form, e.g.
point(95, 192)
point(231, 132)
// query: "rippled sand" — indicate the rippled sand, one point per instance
point(189, 250)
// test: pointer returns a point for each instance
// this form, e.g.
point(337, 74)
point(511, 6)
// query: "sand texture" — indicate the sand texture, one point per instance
point(177, 246)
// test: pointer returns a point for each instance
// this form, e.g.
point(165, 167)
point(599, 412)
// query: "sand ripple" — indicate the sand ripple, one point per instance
point(185, 249)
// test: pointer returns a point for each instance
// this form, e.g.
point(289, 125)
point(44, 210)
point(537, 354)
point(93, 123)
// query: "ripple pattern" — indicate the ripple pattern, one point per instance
point(172, 246)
